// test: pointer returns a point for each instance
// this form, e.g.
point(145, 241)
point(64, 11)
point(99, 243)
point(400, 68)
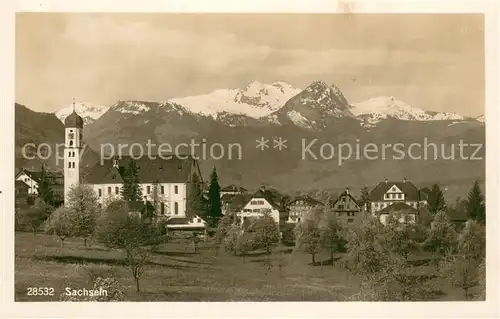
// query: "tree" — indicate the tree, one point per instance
point(225, 224)
point(231, 239)
point(35, 215)
point(367, 252)
point(308, 235)
point(117, 228)
point(44, 190)
point(332, 235)
point(442, 238)
point(60, 223)
point(266, 233)
point(400, 236)
point(131, 190)
point(245, 243)
point(475, 204)
point(461, 271)
point(435, 199)
point(195, 200)
point(84, 210)
point(472, 241)
point(214, 212)
point(155, 197)
point(364, 200)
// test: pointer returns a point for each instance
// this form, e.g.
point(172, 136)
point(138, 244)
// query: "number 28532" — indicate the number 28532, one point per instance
point(40, 291)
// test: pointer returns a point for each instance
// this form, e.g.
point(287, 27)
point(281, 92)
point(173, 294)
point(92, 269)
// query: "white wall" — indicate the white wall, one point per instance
point(169, 197)
point(257, 207)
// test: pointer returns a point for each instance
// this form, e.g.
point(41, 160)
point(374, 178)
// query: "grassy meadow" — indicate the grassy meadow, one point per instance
point(177, 273)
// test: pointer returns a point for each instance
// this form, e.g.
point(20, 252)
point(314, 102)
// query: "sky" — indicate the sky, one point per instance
point(434, 62)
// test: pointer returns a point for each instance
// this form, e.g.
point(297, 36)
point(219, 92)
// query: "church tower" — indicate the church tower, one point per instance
point(72, 151)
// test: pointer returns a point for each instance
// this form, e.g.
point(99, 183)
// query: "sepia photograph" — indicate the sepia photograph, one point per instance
point(250, 157)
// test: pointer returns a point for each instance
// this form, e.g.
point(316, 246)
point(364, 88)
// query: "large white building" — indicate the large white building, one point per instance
point(165, 178)
point(393, 197)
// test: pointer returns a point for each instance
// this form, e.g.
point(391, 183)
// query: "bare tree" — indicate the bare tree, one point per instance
point(83, 206)
point(118, 229)
point(60, 223)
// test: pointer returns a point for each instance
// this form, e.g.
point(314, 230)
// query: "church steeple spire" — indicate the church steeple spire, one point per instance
point(74, 105)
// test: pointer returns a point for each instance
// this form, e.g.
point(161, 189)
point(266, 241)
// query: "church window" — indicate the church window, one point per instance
point(176, 189)
point(109, 190)
point(100, 192)
point(148, 189)
point(176, 208)
point(73, 164)
point(162, 208)
point(162, 189)
point(71, 143)
point(117, 190)
point(69, 164)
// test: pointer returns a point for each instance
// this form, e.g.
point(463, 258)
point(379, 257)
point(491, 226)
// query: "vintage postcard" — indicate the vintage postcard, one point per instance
point(192, 156)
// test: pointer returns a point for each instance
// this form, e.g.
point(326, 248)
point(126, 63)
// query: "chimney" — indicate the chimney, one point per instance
point(115, 163)
point(404, 179)
point(347, 190)
point(386, 180)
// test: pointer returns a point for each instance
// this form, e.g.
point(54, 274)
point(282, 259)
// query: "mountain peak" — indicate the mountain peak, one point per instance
point(88, 111)
point(380, 108)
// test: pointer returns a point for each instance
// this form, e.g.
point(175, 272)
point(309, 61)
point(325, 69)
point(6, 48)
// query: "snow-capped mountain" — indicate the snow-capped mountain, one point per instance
point(256, 100)
point(374, 110)
point(314, 107)
point(88, 111)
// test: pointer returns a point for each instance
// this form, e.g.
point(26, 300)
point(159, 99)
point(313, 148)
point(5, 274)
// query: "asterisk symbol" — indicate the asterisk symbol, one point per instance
point(262, 143)
point(280, 143)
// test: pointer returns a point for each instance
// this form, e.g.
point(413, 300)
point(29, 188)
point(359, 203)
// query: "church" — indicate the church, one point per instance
point(166, 178)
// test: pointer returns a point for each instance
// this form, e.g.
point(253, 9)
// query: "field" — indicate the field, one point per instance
point(177, 273)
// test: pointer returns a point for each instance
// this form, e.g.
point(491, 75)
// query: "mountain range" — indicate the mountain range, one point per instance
point(272, 103)
point(319, 112)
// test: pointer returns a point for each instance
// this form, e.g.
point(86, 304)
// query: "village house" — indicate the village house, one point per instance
point(163, 180)
point(261, 202)
point(32, 179)
point(300, 206)
point(346, 208)
point(386, 195)
point(232, 190)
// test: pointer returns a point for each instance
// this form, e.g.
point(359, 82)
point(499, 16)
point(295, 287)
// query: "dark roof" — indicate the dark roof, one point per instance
point(162, 170)
point(411, 192)
point(397, 207)
point(235, 202)
point(345, 193)
point(73, 120)
point(457, 215)
point(275, 198)
point(233, 188)
point(308, 200)
point(55, 177)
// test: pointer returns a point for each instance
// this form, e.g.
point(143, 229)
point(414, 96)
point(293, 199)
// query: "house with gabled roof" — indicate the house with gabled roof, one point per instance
point(387, 194)
point(346, 208)
point(264, 201)
point(300, 206)
point(32, 179)
point(233, 190)
point(405, 212)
